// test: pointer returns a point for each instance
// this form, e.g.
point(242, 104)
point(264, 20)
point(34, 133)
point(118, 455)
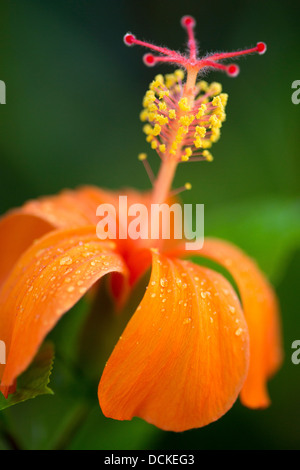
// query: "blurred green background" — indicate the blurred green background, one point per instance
point(74, 93)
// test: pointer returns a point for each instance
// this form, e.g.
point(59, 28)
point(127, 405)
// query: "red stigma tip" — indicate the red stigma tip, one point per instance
point(188, 21)
point(149, 60)
point(128, 39)
point(191, 60)
point(261, 47)
point(233, 70)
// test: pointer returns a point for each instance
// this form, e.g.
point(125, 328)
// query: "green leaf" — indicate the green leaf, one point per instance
point(268, 230)
point(34, 381)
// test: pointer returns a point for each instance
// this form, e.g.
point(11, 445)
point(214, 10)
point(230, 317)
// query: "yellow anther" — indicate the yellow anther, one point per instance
point(147, 129)
point(182, 130)
point(154, 144)
point(150, 94)
point(183, 104)
point(222, 116)
point(156, 129)
point(188, 152)
point(215, 134)
point(170, 80)
point(142, 156)
point(160, 79)
point(200, 130)
point(215, 121)
point(178, 138)
point(198, 142)
point(144, 115)
point(179, 74)
point(161, 119)
point(163, 93)
point(215, 88)
point(151, 116)
point(162, 148)
point(200, 113)
point(206, 144)
point(208, 156)
point(217, 101)
point(203, 85)
point(152, 107)
point(188, 186)
point(149, 138)
point(172, 114)
point(154, 85)
point(224, 98)
point(148, 98)
point(162, 106)
point(186, 120)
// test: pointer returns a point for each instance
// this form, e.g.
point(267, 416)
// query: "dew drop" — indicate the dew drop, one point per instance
point(66, 261)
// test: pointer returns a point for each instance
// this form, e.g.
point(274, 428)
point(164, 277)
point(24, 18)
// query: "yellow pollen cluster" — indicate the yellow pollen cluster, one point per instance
point(180, 127)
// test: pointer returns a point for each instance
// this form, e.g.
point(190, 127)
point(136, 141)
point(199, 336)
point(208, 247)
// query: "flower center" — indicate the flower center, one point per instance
point(183, 118)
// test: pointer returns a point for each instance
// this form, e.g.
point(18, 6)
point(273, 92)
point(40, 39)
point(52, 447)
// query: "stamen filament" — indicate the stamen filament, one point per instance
point(143, 158)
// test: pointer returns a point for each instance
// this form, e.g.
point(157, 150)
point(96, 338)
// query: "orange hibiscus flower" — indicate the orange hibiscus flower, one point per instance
point(191, 347)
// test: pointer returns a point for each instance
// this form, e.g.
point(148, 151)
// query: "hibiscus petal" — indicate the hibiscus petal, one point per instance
point(183, 357)
point(50, 277)
point(20, 227)
point(69, 209)
point(17, 232)
point(261, 312)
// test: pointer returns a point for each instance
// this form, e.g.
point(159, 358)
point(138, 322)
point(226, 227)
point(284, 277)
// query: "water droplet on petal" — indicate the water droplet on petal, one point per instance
point(66, 261)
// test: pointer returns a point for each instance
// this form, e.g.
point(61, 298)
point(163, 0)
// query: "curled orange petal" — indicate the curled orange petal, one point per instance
point(262, 316)
point(20, 227)
point(17, 232)
point(183, 357)
point(50, 277)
